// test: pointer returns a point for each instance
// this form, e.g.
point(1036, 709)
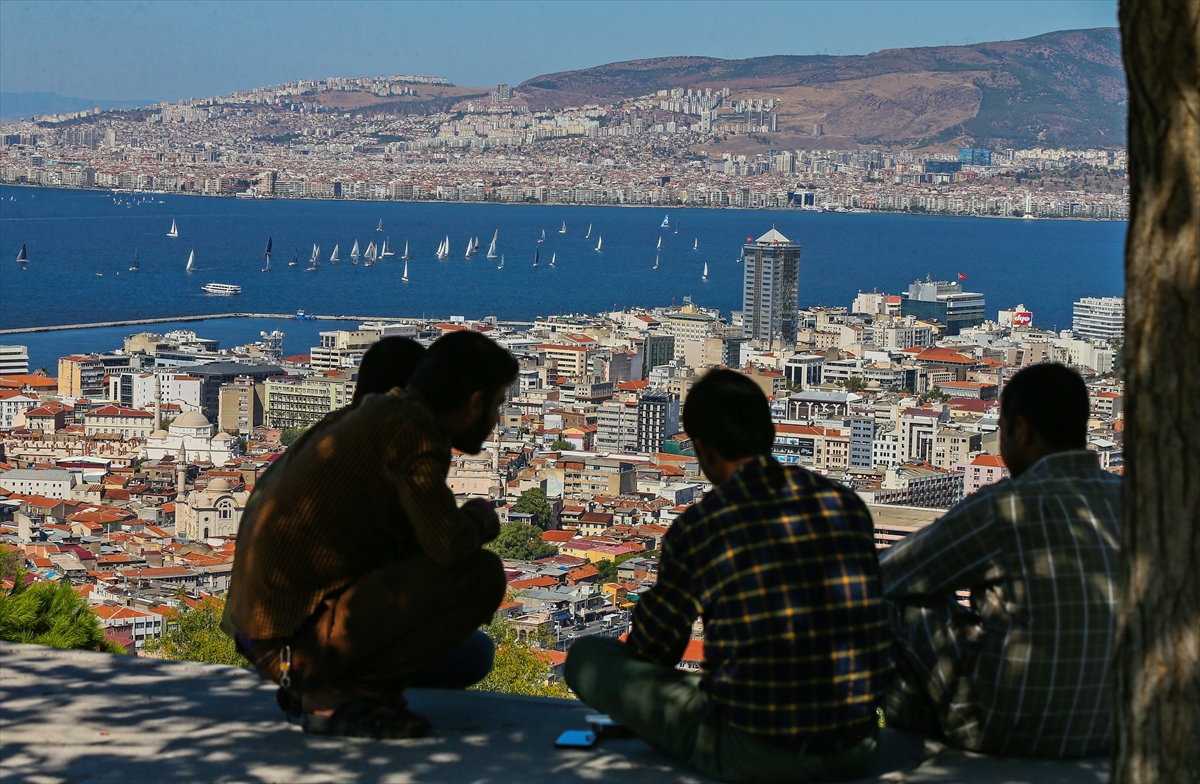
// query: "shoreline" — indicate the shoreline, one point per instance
point(273, 316)
point(854, 211)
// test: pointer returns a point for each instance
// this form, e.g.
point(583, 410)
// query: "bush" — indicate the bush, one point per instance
point(517, 668)
point(51, 613)
point(521, 542)
point(194, 634)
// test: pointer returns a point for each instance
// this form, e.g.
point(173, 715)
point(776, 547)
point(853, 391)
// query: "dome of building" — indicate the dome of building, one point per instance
point(872, 384)
point(222, 437)
point(191, 419)
point(219, 485)
point(160, 433)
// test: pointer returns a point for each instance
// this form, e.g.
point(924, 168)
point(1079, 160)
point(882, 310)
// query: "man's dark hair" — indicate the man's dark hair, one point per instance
point(1054, 401)
point(457, 366)
point(729, 414)
point(387, 364)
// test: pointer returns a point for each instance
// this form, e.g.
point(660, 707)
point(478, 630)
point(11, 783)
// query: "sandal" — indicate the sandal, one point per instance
point(289, 702)
point(362, 719)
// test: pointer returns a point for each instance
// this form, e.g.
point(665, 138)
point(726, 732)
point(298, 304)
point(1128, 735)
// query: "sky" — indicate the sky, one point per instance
point(158, 51)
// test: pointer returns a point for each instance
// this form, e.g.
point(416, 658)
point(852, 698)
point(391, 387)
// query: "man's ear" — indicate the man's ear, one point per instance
point(476, 403)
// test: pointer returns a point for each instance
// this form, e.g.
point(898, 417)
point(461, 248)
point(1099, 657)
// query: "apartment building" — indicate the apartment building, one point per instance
point(300, 402)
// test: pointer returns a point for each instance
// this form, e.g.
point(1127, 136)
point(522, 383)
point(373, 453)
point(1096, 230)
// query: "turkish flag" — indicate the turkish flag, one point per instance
point(749, 239)
point(962, 276)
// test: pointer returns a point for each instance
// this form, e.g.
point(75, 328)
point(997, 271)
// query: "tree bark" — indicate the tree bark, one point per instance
point(1157, 666)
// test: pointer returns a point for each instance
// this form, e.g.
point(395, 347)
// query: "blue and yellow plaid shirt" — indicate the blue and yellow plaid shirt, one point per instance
point(781, 564)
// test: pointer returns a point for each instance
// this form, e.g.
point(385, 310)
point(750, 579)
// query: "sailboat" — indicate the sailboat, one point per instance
point(665, 222)
point(655, 261)
point(444, 249)
point(563, 230)
point(553, 256)
point(174, 232)
point(136, 263)
point(705, 275)
point(295, 256)
point(677, 224)
point(404, 277)
point(536, 253)
point(588, 236)
point(501, 265)
point(405, 256)
point(470, 247)
point(380, 226)
point(267, 256)
point(191, 265)
point(659, 246)
point(22, 257)
point(370, 254)
point(386, 252)
point(543, 239)
point(491, 254)
point(599, 242)
point(315, 260)
point(333, 257)
point(696, 244)
point(354, 254)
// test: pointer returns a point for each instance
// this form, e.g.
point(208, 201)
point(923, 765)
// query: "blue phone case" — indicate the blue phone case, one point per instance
point(576, 739)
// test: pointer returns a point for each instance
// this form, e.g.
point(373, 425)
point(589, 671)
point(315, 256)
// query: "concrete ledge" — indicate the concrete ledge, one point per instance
point(70, 716)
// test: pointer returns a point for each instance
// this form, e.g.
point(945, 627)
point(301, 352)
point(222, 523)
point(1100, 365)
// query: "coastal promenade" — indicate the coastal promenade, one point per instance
point(206, 317)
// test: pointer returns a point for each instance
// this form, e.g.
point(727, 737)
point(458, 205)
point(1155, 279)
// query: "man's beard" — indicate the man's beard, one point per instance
point(471, 441)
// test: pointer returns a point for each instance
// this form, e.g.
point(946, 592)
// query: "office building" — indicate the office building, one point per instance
point(215, 375)
point(241, 406)
point(14, 360)
point(658, 419)
point(342, 349)
point(770, 288)
point(1099, 318)
point(300, 402)
point(944, 302)
point(82, 375)
point(617, 426)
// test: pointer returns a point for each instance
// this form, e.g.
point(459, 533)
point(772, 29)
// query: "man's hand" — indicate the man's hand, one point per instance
point(484, 515)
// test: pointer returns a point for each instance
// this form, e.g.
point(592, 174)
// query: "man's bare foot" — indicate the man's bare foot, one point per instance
point(324, 701)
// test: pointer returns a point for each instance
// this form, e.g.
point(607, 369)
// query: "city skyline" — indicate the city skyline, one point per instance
point(131, 52)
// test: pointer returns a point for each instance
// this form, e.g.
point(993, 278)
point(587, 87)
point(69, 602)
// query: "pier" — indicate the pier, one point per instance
point(281, 316)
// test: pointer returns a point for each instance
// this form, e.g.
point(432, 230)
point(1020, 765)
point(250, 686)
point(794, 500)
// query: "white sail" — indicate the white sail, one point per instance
point(705, 275)
point(655, 261)
point(536, 253)
point(386, 251)
point(470, 247)
point(659, 247)
point(666, 222)
point(191, 265)
point(491, 254)
point(174, 232)
point(334, 256)
point(501, 265)
point(588, 236)
point(380, 226)
point(404, 277)
point(543, 239)
point(563, 230)
point(405, 256)
point(136, 263)
point(354, 254)
point(599, 242)
point(553, 256)
point(696, 244)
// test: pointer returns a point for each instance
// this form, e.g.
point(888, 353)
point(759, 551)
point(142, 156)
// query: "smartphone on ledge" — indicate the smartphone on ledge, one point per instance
point(576, 739)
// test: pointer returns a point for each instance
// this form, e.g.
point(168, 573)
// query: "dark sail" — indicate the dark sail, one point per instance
point(22, 255)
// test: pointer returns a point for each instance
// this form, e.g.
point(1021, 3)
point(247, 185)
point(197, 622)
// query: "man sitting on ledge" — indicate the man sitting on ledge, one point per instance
point(781, 565)
point(357, 575)
point(1025, 671)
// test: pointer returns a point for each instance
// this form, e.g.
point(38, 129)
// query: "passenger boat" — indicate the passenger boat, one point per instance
point(221, 289)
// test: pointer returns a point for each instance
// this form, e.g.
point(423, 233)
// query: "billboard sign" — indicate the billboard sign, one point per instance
point(1022, 318)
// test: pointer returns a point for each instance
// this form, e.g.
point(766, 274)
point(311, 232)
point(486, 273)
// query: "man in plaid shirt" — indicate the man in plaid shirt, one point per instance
point(781, 565)
point(1026, 669)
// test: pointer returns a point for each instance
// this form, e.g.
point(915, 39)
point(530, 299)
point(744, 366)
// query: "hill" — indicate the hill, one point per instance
point(1064, 88)
point(15, 106)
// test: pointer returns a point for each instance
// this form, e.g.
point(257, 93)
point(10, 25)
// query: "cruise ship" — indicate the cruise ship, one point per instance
point(221, 289)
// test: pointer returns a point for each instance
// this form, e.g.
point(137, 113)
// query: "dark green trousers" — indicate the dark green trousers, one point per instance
point(669, 710)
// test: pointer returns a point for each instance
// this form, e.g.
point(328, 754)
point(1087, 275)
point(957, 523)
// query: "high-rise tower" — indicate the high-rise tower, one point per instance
point(770, 287)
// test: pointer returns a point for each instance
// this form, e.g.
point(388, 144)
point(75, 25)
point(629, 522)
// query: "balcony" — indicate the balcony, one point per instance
point(116, 718)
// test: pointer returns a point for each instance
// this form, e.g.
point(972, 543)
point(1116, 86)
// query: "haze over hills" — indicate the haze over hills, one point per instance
point(1064, 88)
point(14, 106)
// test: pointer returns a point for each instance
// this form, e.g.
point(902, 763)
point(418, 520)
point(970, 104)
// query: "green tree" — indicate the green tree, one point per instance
point(854, 384)
point(935, 395)
point(291, 435)
point(521, 542)
point(607, 569)
point(533, 501)
point(51, 613)
point(561, 444)
point(517, 667)
point(194, 634)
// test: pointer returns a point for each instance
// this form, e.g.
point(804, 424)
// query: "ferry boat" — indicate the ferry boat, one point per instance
point(221, 289)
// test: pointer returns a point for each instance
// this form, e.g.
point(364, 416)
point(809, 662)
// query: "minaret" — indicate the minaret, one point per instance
point(180, 475)
point(157, 401)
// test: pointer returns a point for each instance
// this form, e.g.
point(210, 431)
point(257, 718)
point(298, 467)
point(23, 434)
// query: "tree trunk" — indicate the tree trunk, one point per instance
point(1157, 666)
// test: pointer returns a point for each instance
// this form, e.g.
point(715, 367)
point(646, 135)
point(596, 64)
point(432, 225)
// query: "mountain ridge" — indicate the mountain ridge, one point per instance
point(1065, 88)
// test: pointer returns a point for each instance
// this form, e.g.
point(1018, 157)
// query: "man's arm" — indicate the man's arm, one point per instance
point(446, 533)
point(662, 620)
point(954, 553)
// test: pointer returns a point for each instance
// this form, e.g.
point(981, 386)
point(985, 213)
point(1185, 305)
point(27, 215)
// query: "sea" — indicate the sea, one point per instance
point(81, 243)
